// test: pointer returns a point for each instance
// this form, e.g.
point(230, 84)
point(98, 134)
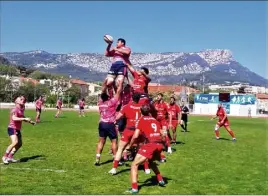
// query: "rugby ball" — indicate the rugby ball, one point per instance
point(108, 39)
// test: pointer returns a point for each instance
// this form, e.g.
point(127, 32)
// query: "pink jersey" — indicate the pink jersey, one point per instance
point(59, 103)
point(81, 103)
point(38, 104)
point(16, 124)
point(107, 110)
point(118, 56)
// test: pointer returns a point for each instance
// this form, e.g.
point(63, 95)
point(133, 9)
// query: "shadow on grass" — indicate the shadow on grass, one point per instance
point(44, 121)
point(26, 159)
point(106, 162)
point(178, 142)
point(122, 171)
point(153, 182)
point(222, 138)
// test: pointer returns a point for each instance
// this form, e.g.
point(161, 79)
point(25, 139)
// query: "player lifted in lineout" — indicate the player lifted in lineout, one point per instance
point(150, 128)
point(223, 121)
point(120, 58)
point(14, 130)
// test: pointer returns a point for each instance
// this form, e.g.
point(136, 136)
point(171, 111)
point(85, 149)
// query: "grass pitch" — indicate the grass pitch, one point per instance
point(58, 155)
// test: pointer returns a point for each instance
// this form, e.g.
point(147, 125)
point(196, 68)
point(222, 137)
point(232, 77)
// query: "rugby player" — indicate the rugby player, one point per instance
point(38, 108)
point(107, 109)
point(140, 83)
point(162, 113)
point(184, 117)
point(14, 130)
point(58, 106)
point(151, 129)
point(132, 113)
point(175, 117)
point(223, 121)
point(118, 70)
point(82, 107)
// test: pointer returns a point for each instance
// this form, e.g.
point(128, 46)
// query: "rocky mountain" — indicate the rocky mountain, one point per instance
point(217, 66)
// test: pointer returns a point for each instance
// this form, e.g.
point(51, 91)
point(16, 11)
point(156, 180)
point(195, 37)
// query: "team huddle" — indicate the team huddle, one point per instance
point(143, 124)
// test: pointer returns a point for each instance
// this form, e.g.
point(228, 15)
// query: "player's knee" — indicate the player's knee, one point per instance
point(109, 80)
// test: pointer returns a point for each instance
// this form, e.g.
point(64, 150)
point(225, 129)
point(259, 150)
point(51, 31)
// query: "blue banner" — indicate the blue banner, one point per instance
point(226, 107)
point(234, 99)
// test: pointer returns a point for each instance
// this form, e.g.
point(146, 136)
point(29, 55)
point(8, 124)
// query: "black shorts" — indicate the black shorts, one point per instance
point(38, 110)
point(184, 118)
point(107, 130)
point(118, 68)
point(122, 122)
point(12, 131)
point(81, 108)
point(58, 107)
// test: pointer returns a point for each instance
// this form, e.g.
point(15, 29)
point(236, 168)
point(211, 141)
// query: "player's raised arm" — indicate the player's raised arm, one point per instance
point(123, 50)
point(108, 52)
point(130, 68)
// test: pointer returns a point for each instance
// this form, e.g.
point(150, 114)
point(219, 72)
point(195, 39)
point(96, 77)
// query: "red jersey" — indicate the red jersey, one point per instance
point(162, 110)
point(16, 124)
point(150, 128)
point(173, 111)
point(221, 114)
point(139, 83)
point(132, 112)
point(125, 97)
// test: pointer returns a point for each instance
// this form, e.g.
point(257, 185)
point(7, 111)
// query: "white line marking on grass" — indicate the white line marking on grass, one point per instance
point(35, 169)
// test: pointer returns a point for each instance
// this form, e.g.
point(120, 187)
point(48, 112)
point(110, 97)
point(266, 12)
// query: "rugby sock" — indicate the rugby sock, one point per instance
point(146, 165)
point(167, 141)
point(134, 186)
point(231, 133)
point(11, 154)
point(6, 153)
point(217, 133)
point(159, 177)
point(162, 156)
point(115, 165)
point(98, 156)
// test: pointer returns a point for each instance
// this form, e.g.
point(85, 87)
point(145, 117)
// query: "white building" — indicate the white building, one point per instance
point(94, 89)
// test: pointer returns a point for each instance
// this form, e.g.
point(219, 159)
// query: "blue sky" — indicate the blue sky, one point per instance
point(63, 27)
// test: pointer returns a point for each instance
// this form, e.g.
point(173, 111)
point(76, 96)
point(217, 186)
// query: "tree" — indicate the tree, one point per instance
point(74, 93)
point(92, 100)
point(191, 98)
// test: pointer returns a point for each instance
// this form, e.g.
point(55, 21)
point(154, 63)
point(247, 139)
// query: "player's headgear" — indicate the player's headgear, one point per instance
point(145, 110)
point(136, 97)
point(145, 69)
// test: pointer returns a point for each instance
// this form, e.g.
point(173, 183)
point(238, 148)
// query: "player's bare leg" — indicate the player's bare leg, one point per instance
point(109, 80)
point(230, 132)
point(14, 141)
point(37, 118)
point(174, 134)
point(118, 155)
point(217, 132)
point(14, 150)
point(169, 151)
point(157, 173)
point(99, 149)
point(139, 159)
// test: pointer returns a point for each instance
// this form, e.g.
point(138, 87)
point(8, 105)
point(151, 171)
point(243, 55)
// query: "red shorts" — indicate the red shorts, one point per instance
point(225, 124)
point(151, 150)
point(127, 135)
point(163, 123)
point(174, 124)
point(144, 100)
